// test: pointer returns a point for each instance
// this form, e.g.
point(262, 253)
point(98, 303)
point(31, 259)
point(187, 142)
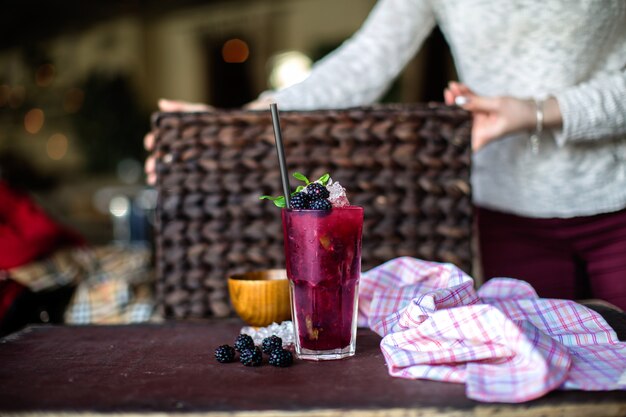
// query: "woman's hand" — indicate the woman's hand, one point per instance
point(493, 117)
point(260, 104)
point(148, 139)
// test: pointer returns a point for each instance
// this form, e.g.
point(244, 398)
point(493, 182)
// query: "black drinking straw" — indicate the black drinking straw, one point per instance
point(280, 149)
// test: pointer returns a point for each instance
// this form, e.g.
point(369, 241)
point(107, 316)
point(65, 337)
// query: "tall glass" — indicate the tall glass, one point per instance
point(323, 261)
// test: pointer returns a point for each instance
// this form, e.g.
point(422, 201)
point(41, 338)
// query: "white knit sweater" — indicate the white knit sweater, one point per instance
point(574, 50)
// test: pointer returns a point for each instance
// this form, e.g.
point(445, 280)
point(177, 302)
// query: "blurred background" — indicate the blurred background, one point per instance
point(79, 80)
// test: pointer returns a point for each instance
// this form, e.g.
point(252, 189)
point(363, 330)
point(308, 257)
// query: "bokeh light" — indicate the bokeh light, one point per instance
point(73, 101)
point(235, 51)
point(289, 68)
point(56, 147)
point(33, 120)
point(119, 206)
point(44, 75)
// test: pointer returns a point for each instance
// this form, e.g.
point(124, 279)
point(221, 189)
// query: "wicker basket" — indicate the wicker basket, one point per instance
point(407, 165)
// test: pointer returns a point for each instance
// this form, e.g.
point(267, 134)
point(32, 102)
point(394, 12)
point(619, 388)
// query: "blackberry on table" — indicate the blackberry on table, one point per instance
point(271, 343)
point(281, 358)
point(243, 341)
point(251, 357)
point(320, 205)
point(225, 354)
point(317, 191)
point(299, 201)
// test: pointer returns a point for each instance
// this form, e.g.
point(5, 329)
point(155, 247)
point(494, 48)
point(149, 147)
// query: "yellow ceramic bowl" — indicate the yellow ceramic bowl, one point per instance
point(260, 298)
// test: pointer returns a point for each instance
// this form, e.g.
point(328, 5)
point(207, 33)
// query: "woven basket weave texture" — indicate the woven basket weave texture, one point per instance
point(407, 165)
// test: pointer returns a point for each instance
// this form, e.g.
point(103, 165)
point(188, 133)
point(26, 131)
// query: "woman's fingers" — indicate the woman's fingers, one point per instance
point(457, 94)
point(260, 103)
point(150, 169)
point(462, 96)
point(452, 98)
point(148, 141)
point(459, 89)
point(175, 105)
point(455, 88)
point(448, 97)
point(483, 104)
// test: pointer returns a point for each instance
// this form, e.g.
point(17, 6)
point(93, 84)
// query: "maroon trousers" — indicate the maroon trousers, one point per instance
point(575, 258)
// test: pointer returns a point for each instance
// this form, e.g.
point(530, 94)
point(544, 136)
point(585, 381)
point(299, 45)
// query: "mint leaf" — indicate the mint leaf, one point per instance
point(298, 189)
point(269, 197)
point(278, 201)
point(301, 177)
point(324, 179)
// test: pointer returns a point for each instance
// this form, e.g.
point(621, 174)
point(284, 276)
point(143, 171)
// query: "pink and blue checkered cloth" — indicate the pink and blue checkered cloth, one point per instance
point(504, 342)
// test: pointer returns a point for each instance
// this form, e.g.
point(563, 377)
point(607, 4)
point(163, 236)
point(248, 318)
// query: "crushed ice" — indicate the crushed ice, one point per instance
point(338, 196)
point(283, 330)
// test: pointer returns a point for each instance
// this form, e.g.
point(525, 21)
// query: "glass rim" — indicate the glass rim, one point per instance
point(319, 211)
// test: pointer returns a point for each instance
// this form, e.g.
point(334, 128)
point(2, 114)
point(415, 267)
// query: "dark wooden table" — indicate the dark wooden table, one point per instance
point(169, 368)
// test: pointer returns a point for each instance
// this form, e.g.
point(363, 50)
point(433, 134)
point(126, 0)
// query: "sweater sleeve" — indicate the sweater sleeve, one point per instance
point(364, 66)
point(593, 110)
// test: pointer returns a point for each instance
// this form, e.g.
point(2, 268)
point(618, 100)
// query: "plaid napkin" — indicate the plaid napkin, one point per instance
point(504, 342)
point(61, 269)
point(116, 288)
point(113, 283)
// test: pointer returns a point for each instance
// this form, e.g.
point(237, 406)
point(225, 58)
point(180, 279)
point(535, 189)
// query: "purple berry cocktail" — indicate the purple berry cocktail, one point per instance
point(322, 234)
point(323, 261)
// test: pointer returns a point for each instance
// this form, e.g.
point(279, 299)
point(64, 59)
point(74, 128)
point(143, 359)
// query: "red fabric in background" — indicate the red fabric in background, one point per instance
point(26, 231)
point(9, 291)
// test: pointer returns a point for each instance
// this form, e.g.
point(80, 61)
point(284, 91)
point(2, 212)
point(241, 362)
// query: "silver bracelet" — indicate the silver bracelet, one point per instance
point(536, 135)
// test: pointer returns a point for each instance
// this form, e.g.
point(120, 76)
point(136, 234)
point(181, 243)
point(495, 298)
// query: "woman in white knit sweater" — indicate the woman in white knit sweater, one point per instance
point(545, 81)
